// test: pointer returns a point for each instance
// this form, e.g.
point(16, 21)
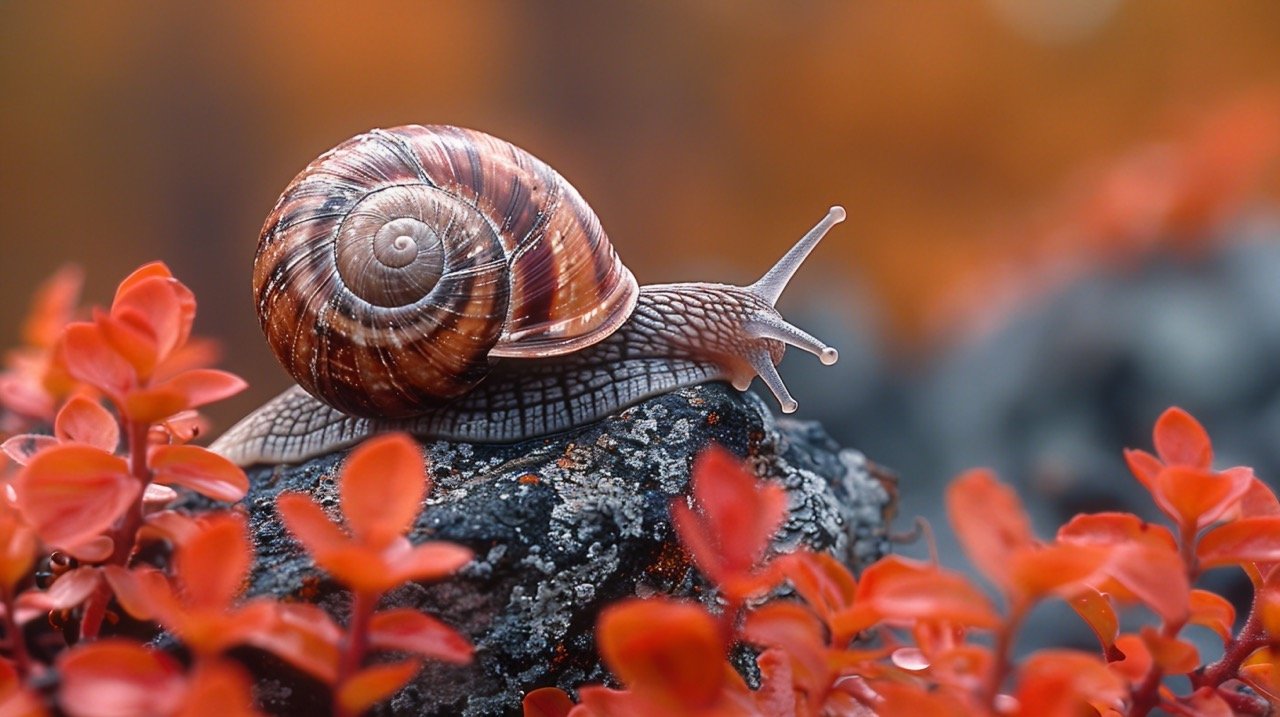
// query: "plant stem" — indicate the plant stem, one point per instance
point(1251, 637)
point(18, 645)
point(1001, 649)
point(355, 645)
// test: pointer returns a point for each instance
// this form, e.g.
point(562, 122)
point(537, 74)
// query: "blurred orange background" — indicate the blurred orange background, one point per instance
point(973, 143)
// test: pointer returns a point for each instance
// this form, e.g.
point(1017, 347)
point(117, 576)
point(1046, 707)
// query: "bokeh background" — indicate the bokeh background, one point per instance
point(1061, 211)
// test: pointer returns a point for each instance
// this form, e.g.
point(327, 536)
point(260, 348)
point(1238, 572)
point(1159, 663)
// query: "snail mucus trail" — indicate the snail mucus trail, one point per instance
point(440, 281)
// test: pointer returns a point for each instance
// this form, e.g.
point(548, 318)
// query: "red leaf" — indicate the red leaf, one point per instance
point(896, 589)
point(800, 636)
point(1115, 529)
point(409, 630)
point(72, 493)
point(735, 517)
point(118, 678)
point(144, 593)
point(73, 587)
point(130, 337)
point(1172, 655)
point(1099, 614)
point(382, 488)
point(149, 405)
point(990, 522)
point(1214, 612)
point(200, 386)
point(218, 689)
point(213, 564)
point(1064, 683)
point(310, 525)
point(84, 421)
point(822, 581)
point(547, 702)
point(1060, 568)
point(428, 561)
point(1180, 440)
point(1137, 661)
point(152, 307)
point(1246, 540)
point(305, 637)
point(54, 304)
point(1194, 497)
point(374, 684)
point(1155, 575)
point(23, 447)
point(669, 649)
point(1143, 465)
point(199, 469)
point(89, 358)
point(18, 546)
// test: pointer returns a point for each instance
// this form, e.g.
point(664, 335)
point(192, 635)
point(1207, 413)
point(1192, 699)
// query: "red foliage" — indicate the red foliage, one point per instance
point(381, 490)
point(940, 646)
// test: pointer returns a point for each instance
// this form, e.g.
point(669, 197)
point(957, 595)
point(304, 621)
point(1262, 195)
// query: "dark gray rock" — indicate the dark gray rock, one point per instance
point(563, 526)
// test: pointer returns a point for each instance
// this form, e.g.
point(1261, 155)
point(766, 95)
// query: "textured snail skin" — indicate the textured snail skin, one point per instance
point(559, 369)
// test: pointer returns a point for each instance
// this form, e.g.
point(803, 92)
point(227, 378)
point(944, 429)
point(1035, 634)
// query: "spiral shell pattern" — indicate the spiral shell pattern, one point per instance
point(398, 265)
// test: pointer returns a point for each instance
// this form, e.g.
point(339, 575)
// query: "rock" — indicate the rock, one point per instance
point(561, 527)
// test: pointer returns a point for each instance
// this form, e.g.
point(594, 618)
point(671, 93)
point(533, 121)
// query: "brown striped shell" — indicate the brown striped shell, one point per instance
point(396, 266)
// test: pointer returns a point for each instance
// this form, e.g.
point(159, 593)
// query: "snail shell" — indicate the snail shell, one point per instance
point(397, 265)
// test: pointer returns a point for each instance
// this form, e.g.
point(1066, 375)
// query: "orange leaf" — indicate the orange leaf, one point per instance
point(84, 421)
point(218, 689)
point(1172, 655)
point(382, 488)
point(1259, 500)
point(1137, 661)
point(200, 386)
point(897, 589)
point(72, 493)
point(117, 677)
point(1214, 612)
point(1143, 465)
point(130, 337)
point(990, 522)
point(428, 561)
point(146, 271)
point(23, 447)
point(799, 634)
point(911, 698)
point(54, 303)
point(1114, 529)
point(1155, 575)
point(1098, 612)
point(1061, 568)
point(1206, 702)
point(305, 637)
point(821, 580)
point(735, 517)
point(1194, 497)
point(73, 587)
point(374, 684)
point(1244, 540)
point(89, 358)
point(199, 469)
point(409, 630)
point(668, 649)
point(310, 525)
point(18, 546)
point(213, 564)
point(1180, 440)
point(153, 307)
point(144, 593)
point(149, 405)
point(547, 702)
point(1065, 683)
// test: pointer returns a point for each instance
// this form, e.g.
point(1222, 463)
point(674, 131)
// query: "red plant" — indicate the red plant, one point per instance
point(382, 487)
point(935, 644)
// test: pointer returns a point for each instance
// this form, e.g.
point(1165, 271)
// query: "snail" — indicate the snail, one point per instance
point(441, 281)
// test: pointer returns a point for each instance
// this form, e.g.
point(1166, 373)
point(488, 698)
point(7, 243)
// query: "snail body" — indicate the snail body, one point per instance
point(443, 282)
